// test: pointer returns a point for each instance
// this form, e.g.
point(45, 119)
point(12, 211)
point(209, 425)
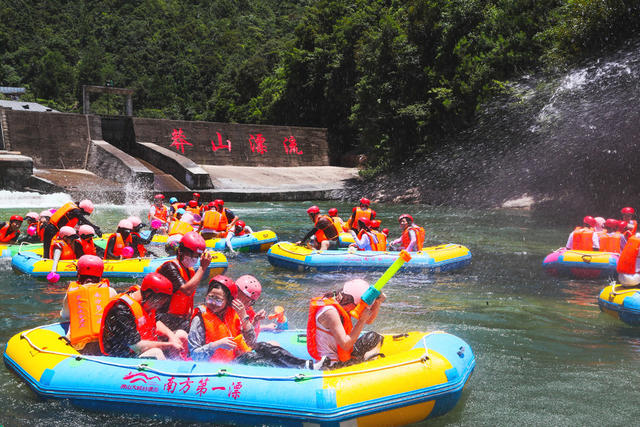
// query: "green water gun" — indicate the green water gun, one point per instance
point(373, 291)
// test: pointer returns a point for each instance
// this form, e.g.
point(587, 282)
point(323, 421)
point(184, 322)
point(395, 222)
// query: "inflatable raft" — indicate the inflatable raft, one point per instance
point(433, 259)
point(258, 241)
point(581, 264)
point(8, 251)
point(33, 265)
point(621, 302)
point(422, 376)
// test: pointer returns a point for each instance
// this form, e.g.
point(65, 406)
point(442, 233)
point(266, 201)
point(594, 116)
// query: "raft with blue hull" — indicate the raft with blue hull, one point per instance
point(432, 259)
point(422, 376)
point(8, 251)
point(621, 302)
point(132, 268)
point(565, 262)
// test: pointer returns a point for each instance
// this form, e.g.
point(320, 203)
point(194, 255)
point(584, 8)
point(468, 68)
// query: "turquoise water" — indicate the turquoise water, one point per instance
point(545, 354)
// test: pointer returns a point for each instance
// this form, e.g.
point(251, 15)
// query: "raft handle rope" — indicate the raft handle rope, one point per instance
point(321, 252)
point(223, 372)
point(624, 291)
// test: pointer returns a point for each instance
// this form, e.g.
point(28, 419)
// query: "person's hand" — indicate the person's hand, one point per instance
point(205, 260)
point(176, 344)
point(382, 297)
point(239, 308)
point(226, 342)
point(365, 315)
point(260, 315)
point(98, 231)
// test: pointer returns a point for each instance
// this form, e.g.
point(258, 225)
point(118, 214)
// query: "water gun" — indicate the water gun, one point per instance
point(281, 320)
point(373, 291)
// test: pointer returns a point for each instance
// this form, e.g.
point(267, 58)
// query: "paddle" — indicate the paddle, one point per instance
point(373, 291)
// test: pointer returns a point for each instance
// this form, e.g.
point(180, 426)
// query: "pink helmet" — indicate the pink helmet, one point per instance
point(67, 231)
point(194, 242)
point(90, 265)
point(126, 224)
point(249, 286)
point(313, 210)
point(333, 212)
point(226, 282)
point(355, 288)
point(86, 229)
point(86, 205)
point(599, 223)
point(32, 215)
point(46, 213)
point(135, 221)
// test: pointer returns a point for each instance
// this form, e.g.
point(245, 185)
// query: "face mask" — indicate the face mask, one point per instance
point(214, 302)
point(189, 262)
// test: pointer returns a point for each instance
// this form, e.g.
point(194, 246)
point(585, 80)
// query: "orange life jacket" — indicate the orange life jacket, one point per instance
point(312, 328)
point(4, 237)
point(360, 213)
point(142, 251)
point(216, 329)
point(179, 227)
point(86, 305)
point(372, 239)
point(627, 260)
point(339, 223)
point(194, 211)
point(382, 240)
point(119, 244)
point(406, 238)
point(161, 212)
point(181, 303)
point(214, 220)
point(40, 230)
point(67, 250)
point(320, 234)
point(63, 212)
point(610, 242)
point(145, 322)
point(88, 247)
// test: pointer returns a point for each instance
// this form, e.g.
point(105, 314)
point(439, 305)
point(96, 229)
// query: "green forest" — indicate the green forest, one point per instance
point(387, 78)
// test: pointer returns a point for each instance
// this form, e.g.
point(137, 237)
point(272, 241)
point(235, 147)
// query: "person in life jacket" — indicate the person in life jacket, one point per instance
point(10, 231)
point(611, 240)
point(361, 211)
point(340, 224)
point(137, 242)
point(584, 238)
point(185, 279)
point(380, 235)
point(330, 331)
point(196, 197)
point(64, 247)
point(413, 235)
point(84, 304)
point(173, 206)
point(194, 209)
point(159, 212)
point(628, 266)
point(632, 225)
point(178, 229)
point(42, 224)
point(70, 214)
point(221, 331)
point(239, 229)
point(87, 233)
point(31, 236)
point(365, 240)
point(249, 290)
point(217, 221)
point(324, 231)
point(130, 328)
point(119, 240)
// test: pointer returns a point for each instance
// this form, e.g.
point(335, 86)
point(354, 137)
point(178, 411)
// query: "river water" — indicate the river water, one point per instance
point(545, 354)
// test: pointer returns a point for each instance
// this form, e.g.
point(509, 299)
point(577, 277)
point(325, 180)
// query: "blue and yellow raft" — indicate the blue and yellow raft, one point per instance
point(621, 302)
point(432, 259)
point(422, 376)
point(577, 264)
point(32, 264)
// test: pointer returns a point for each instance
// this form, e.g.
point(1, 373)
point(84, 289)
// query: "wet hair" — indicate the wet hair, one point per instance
point(344, 299)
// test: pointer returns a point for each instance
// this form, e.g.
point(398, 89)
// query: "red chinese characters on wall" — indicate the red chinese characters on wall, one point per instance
point(258, 143)
point(291, 146)
point(178, 140)
point(220, 146)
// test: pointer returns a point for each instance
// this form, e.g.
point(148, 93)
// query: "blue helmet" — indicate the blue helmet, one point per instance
point(181, 211)
point(173, 200)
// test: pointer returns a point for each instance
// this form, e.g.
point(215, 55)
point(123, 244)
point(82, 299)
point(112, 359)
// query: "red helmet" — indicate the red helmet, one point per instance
point(86, 229)
point(333, 212)
point(157, 283)
point(622, 226)
point(159, 197)
point(90, 265)
point(193, 203)
point(375, 223)
point(365, 221)
point(249, 286)
point(16, 218)
point(86, 205)
point(194, 242)
point(313, 210)
point(241, 223)
point(227, 282)
point(611, 223)
point(196, 195)
point(628, 210)
point(385, 231)
point(589, 220)
point(407, 216)
point(218, 202)
point(211, 204)
point(365, 201)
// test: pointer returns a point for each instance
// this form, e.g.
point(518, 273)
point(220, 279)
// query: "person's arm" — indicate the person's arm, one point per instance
point(148, 239)
point(248, 229)
point(308, 236)
point(360, 243)
point(595, 241)
point(111, 243)
point(57, 253)
point(413, 244)
point(190, 286)
point(199, 349)
point(248, 332)
point(623, 242)
point(569, 244)
point(82, 220)
point(99, 252)
point(77, 249)
point(227, 241)
point(330, 319)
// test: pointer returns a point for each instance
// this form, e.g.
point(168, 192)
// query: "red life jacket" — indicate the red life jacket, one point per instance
point(4, 237)
point(67, 250)
point(382, 240)
point(142, 251)
point(88, 247)
point(610, 242)
point(181, 303)
point(320, 234)
point(119, 244)
point(406, 238)
point(214, 220)
point(61, 218)
point(627, 260)
point(216, 329)
point(160, 212)
point(40, 230)
point(145, 322)
point(252, 315)
point(312, 327)
point(86, 306)
point(360, 213)
point(582, 239)
point(372, 239)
